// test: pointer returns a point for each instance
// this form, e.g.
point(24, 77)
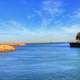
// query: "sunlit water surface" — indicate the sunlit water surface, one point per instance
point(41, 62)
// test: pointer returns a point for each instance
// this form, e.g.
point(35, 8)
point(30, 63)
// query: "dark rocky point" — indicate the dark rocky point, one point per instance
point(77, 43)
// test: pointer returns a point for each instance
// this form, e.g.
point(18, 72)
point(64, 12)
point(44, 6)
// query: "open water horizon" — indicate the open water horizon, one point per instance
point(41, 62)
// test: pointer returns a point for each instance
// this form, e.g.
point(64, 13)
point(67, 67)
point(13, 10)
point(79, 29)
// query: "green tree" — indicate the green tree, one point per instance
point(78, 36)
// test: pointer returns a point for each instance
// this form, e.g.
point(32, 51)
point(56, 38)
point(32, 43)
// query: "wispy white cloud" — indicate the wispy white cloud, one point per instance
point(12, 27)
point(13, 31)
point(75, 16)
point(76, 13)
point(53, 7)
point(49, 10)
point(71, 29)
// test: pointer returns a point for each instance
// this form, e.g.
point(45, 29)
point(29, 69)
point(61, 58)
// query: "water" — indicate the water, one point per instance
point(41, 62)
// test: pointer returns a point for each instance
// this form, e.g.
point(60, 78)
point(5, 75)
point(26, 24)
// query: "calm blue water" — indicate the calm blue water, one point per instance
point(41, 62)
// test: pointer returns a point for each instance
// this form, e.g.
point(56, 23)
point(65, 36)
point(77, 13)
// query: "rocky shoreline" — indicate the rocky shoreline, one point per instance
point(10, 47)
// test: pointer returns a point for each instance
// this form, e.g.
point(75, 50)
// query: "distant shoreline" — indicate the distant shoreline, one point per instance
point(49, 43)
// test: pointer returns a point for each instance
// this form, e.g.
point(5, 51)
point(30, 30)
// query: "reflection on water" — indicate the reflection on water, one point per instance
point(41, 62)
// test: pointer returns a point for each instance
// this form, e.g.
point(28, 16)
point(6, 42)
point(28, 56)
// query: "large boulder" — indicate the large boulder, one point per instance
point(20, 44)
point(7, 48)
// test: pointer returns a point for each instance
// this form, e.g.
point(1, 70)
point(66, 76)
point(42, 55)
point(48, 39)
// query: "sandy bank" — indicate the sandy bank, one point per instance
point(7, 48)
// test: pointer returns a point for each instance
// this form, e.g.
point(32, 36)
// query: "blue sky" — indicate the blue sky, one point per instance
point(39, 20)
